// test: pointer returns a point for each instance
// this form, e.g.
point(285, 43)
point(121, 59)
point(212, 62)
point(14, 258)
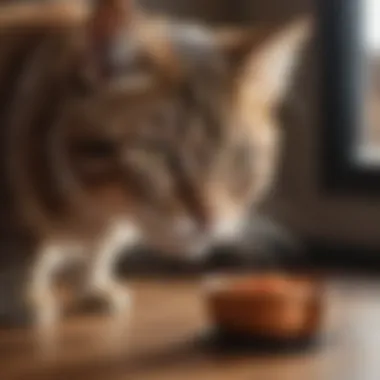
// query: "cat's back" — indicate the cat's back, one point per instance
point(35, 44)
point(26, 26)
point(22, 24)
point(41, 15)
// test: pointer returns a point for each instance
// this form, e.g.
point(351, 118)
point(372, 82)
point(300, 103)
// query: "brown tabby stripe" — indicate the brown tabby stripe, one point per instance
point(11, 63)
point(188, 191)
point(33, 83)
point(198, 140)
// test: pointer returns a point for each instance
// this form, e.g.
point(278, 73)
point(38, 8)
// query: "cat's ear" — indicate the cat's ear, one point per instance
point(268, 55)
point(106, 31)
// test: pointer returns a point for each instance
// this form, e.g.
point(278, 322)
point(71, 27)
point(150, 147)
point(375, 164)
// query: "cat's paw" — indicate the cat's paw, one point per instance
point(120, 299)
point(45, 311)
point(115, 300)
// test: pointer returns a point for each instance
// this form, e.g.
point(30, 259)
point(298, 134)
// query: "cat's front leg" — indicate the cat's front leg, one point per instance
point(45, 306)
point(102, 283)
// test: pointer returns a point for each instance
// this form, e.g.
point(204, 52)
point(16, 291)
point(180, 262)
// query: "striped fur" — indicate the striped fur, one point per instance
point(148, 131)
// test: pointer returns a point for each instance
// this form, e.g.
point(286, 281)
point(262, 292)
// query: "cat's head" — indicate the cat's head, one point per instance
point(158, 104)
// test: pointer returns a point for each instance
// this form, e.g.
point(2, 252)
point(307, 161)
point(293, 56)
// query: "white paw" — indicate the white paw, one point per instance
point(49, 316)
point(115, 298)
point(46, 310)
point(120, 300)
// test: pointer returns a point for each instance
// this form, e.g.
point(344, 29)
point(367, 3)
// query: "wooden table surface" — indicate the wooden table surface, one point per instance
point(162, 342)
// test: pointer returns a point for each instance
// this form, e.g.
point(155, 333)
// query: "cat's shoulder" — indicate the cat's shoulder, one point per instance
point(36, 14)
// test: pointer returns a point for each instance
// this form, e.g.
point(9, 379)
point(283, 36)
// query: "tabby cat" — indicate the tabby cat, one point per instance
point(122, 129)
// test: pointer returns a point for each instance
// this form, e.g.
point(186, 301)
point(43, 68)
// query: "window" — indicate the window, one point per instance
point(370, 35)
point(350, 39)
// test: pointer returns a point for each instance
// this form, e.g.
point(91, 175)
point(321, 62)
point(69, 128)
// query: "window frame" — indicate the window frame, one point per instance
point(342, 87)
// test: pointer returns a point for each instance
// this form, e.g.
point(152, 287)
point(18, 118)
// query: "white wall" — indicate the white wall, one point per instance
point(371, 24)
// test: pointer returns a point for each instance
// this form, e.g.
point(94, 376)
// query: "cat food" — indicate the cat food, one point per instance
point(273, 306)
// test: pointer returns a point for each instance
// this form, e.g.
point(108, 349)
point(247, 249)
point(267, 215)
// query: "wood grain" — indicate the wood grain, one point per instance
point(162, 342)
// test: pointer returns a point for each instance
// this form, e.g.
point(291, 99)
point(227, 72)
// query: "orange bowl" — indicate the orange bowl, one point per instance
point(274, 306)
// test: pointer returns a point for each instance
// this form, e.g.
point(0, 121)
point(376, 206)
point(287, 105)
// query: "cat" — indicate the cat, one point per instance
point(124, 128)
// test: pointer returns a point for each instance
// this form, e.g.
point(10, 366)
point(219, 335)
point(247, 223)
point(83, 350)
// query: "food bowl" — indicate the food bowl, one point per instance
point(272, 306)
